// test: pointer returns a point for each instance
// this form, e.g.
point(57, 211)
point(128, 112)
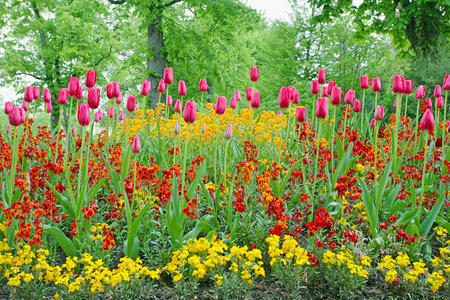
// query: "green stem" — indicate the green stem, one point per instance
point(395, 138)
point(183, 167)
point(332, 140)
point(312, 110)
point(166, 114)
point(425, 158)
point(58, 130)
point(345, 124)
point(224, 177)
point(406, 106)
point(444, 138)
point(68, 135)
point(376, 158)
point(310, 217)
point(281, 134)
point(143, 107)
point(417, 127)
point(362, 109)
point(134, 186)
point(376, 99)
point(81, 161)
point(215, 163)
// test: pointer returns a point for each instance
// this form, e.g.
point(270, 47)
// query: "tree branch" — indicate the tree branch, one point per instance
point(103, 57)
point(172, 3)
point(34, 76)
point(117, 1)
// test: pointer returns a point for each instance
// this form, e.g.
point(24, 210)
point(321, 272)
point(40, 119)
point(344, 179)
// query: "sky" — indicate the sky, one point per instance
point(273, 9)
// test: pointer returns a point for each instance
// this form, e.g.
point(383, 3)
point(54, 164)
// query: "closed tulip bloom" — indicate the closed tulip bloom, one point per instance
point(93, 99)
point(395, 104)
point(96, 117)
point(7, 128)
point(168, 76)
point(349, 96)
point(233, 103)
point(169, 101)
point(315, 88)
point(161, 86)
point(73, 86)
point(84, 117)
point(408, 87)
point(146, 87)
point(131, 103)
point(309, 122)
point(446, 85)
point(279, 113)
point(182, 90)
point(439, 103)
point(62, 96)
point(292, 91)
point(120, 117)
point(249, 107)
point(15, 117)
point(420, 93)
point(254, 74)
point(447, 125)
point(190, 112)
point(322, 76)
point(429, 103)
point(22, 115)
point(119, 99)
point(73, 131)
point(357, 106)
point(256, 102)
point(427, 122)
point(203, 86)
point(321, 107)
point(336, 96)
point(91, 78)
point(364, 82)
point(46, 96)
point(28, 96)
point(330, 87)
point(237, 95)
point(48, 107)
point(176, 128)
point(111, 112)
point(379, 113)
point(300, 114)
point(115, 89)
point(100, 114)
point(397, 84)
point(36, 92)
point(376, 84)
point(25, 105)
point(324, 91)
point(177, 106)
point(136, 145)
point(249, 94)
point(284, 98)
point(229, 131)
point(221, 105)
point(296, 98)
point(109, 94)
point(79, 93)
point(372, 123)
point(8, 107)
point(437, 91)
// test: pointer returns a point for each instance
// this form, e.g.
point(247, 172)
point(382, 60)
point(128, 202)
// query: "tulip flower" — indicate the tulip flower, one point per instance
point(83, 115)
point(25, 105)
point(36, 93)
point(364, 82)
point(176, 128)
point(79, 93)
point(73, 86)
point(15, 117)
point(93, 98)
point(97, 117)
point(120, 117)
point(446, 84)
point(177, 106)
point(420, 93)
point(8, 107)
point(7, 127)
point(136, 145)
point(254, 74)
point(131, 103)
point(221, 105)
point(427, 122)
point(119, 98)
point(229, 131)
point(292, 91)
point(22, 115)
point(296, 97)
point(324, 91)
point(315, 87)
point(349, 97)
point(190, 111)
point(336, 96)
point(249, 107)
point(407, 89)
point(111, 112)
point(146, 87)
point(28, 96)
point(395, 104)
point(437, 91)
point(249, 94)
point(73, 131)
point(256, 102)
point(115, 89)
point(91, 78)
point(237, 95)
point(429, 103)
point(284, 98)
point(322, 78)
point(321, 108)
point(330, 87)
point(233, 103)
point(203, 86)
point(397, 84)
point(161, 86)
point(379, 113)
point(279, 113)
point(357, 106)
point(376, 85)
point(168, 76)
point(109, 91)
point(439, 103)
point(46, 96)
point(300, 114)
point(372, 123)
point(48, 107)
point(169, 101)
point(100, 114)
point(182, 91)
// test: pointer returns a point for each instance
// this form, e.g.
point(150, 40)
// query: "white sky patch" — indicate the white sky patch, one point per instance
point(272, 9)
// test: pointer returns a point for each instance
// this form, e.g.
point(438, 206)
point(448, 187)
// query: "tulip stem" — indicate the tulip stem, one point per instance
point(166, 114)
point(279, 142)
point(134, 186)
point(68, 132)
point(203, 106)
point(345, 123)
point(375, 180)
point(186, 144)
point(332, 139)
point(58, 132)
point(406, 106)
point(310, 217)
point(444, 138)
point(425, 158)
point(417, 126)
point(312, 109)
point(395, 137)
point(376, 99)
point(224, 178)
point(81, 160)
point(143, 108)
point(362, 110)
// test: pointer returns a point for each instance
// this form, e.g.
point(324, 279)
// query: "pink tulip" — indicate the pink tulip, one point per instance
point(161, 86)
point(48, 107)
point(119, 99)
point(446, 85)
point(73, 86)
point(407, 89)
point(376, 84)
point(372, 123)
point(379, 113)
point(248, 107)
point(8, 107)
point(254, 74)
point(182, 90)
point(336, 96)
point(73, 131)
point(62, 96)
point(190, 112)
point(93, 99)
point(395, 104)
point(420, 93)
point(324, 91)
point(279, 113)
point(169, 101)
point(437, 91)
point(322, 78)
point(36, 93)
point(427, 122)
point(23, 116)
point(364, 82)
point(28, 96)
point(233, 103)
point(256, 102)
point(97, 117)
point(349, 96)
point(315, 87)
point(221, 105)
point(284, 97)
point(397, 84)
point(7, 128)
point(136, 145)
point(46, 96)
point(177, 106)
point(300, 114)
point(15, 117)
point(322, 107)
point(292, 91)
point(229, 131)
point(100, 114)
point(25, 105)
point(91, 78)
point(84, 117)
point(131, 103)
point(203, 86)
point(168, 76)
point(440, 103)
point(429, 103)
point(296, 98)
point(79, 93)
point(109, 94)
point(146, 87)
point(115, 89)
point(249, 94)
point(237, 95)
point(111, 112)
point(120, 117)
point(330, 87)
point(357, 106)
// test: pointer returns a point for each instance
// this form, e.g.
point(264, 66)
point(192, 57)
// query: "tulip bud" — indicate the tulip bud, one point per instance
point(420, 93)
point(429, 103)
point(28, 96)
point(324, 91)
point(15, 117)
point(177, 106)
point(233, 103)
point(407, 89)
point(73, 86)
point(254, 74)
point(221, 105)
point(23, 116)
point(91, 78)
point(439, 103)
point(379, 113)
point(376, 84)
point(357, 106)
point(46, 96)
point(36, 93)
point(336, 96)
point(161, 86)
point(136, 145)
point(119, 99)
point(309, 122)
point(8, 107)
point(256, 102)
point(437, 91)
point(168, 76)
point(349, 96)
point(279, 113)
point(7, 128)
point(48, 107)
point(447, 125)
point(300, 114)
point(182, 90)
point(321, 108)
point(249, 107)
point(169, 101)
point(176, 128)
point(446, 85)
point(146, 87)
point(203, 86)
point(315, 87)
point(296, 98)
point(372, 123)
point(237, 95)
point(100, 114)
point(395, 104)
point(73, 131)
point(284, 98)
point(229, 131)
point(397, 84)
point(84, 117)
point(322, 76)
point(97, 117)
point(115, 89)
point(330, 87)
point(79, 93)
point(109, 94)
point(249, 94)
point(93, 98)
point(190, 111)
point(111, 112)
point(203, 128)
point(364, 82)
point(120, 117)
point(292, 91)
point(427, 122)
point(25, 105)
